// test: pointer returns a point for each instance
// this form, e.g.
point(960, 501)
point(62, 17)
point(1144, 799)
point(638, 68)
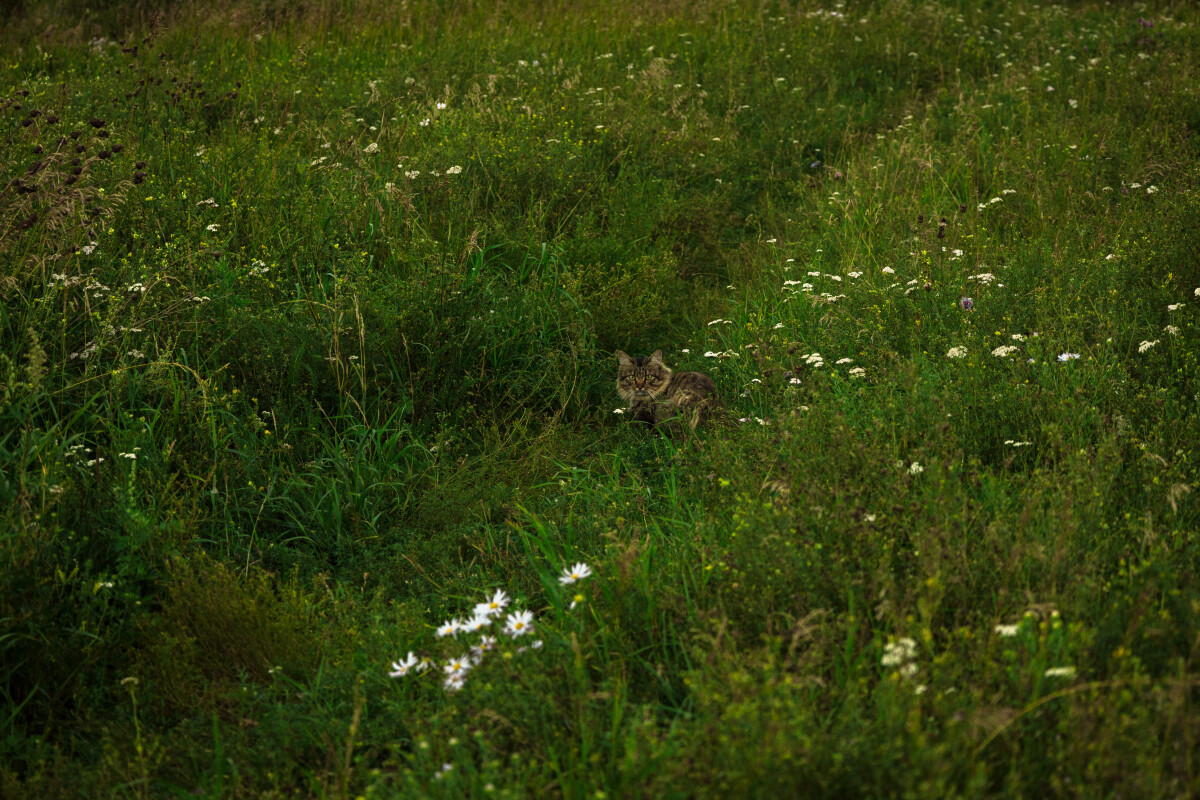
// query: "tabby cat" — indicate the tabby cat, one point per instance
point(659, 397)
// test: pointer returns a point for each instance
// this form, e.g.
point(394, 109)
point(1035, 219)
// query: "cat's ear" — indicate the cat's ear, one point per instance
point(656, 357)
point(624, 360)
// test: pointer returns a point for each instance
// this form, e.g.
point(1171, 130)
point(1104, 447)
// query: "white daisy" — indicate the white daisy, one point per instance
point(497, 604)
point(519, 623)
point(404, 666)
point(575, 573)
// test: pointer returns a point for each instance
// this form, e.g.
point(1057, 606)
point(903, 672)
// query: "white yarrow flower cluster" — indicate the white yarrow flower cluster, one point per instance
point(1146, 345)
point(1005, 350)
point(957, 352)
point(901, 653)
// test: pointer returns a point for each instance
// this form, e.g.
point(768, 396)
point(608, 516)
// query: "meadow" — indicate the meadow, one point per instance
point(314, 480)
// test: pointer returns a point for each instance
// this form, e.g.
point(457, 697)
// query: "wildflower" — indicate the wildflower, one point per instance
point(211, 203)
point(213, 228)
point(441, 106)
point(455, 170)
point(1174, 306)
point(404, 666)
point(477, 623)
point(1197, 292)
point(618, 411)
point(519, 623)
point(896, 653)
point(1007, 631)
point(1151, 189)
point(1171, 329)
point(1144, 346)
point(915, 469)
point(487, 643)
point(130, 456)
point(956, 352)
point(575, 573)
point(777, 326)
point(857, 372)
point(1004, 351)
point(497, 604)
point(412, 173)
point(1060, 672)
point(373, 147)
point(844, 361)
point(576, 600)
point(794, 381)
point(1067, 356)
point(854, 274)
point(1017, 337)
point(457, 666)
point(451, 627)
point(454, 683)
point(711, 354)
point(966, 303)
point(888, 271)
point(718, 320)
point(424, 123)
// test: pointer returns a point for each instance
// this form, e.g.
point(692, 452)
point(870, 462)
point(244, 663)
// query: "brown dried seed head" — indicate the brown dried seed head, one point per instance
point(96, 122)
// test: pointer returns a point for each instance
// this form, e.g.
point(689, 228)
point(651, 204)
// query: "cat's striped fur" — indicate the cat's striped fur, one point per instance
point(661, 397)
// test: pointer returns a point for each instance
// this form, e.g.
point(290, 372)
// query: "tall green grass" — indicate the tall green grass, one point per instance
point(314, 352)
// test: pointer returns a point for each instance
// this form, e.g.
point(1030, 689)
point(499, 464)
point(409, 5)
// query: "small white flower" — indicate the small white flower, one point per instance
point(1060, 672)
point(519, 623)
point(453, 683)
point(1197, 292)
point(1007, 631)
point(1018, 337)
point(1067, 356)
point(575, 573)
point(844, 361)
point(717, 321)
point(777, 326)
point(455, 170)
point(857, 372)
point(915, 469)
point(451, 627)
point(618, 411)
point(1174, 306)
point(1151, 189)
point(1146, 345)
point(404, 666)
point(477, 623)
point(213, 228)
point(496, 605)
point(794, 381)
point(457, 666)
point(1171, 329)
point(441, 106)
point(373, 147)
point(711, 354)
point(412, 173)
point(424, 123)
point(685, 350)
point(855, 274)
point(1003, 351)
point(888, 271)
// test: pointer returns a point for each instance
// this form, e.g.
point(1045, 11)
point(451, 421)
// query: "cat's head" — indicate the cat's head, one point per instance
point(640, 379)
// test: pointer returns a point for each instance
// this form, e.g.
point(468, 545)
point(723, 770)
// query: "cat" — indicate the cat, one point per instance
point(662, 398)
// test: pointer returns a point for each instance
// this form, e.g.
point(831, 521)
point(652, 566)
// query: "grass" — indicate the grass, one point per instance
point(312, 350)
